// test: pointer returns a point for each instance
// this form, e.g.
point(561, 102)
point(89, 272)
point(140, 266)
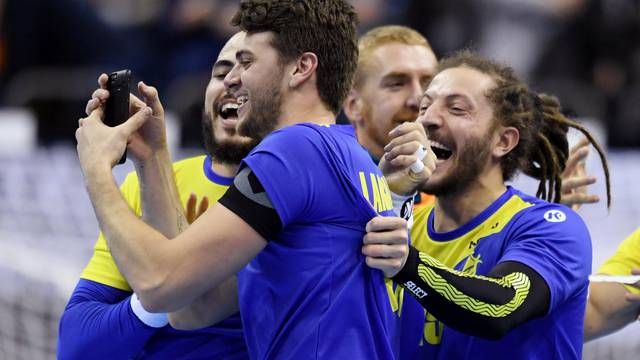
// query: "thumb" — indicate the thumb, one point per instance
point(136, 121)
point(97, 113)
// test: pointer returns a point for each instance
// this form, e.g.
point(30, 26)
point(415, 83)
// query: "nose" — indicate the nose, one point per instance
point(431, 119)
point(232, 80)
point(415, 94)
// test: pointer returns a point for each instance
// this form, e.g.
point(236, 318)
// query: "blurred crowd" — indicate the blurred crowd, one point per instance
point(587, 52)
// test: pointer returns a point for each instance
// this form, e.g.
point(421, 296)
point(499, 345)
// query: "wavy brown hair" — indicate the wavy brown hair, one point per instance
point(326, 28)
point(543, 148)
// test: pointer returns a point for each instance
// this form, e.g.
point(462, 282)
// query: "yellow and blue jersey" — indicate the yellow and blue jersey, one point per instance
point(625, 259)
point(309, 293)
point(99, 308)
point(549, 238)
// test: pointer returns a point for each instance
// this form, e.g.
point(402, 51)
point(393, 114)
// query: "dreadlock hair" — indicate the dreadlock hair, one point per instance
point(326, 28)
point(543, 148)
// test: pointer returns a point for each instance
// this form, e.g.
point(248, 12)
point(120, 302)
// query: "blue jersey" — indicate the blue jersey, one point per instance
point(551, 239)
point(98, 322)
point(309, 293)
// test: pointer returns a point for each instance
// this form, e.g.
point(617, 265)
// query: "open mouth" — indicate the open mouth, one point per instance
point(229, 110)
point(442, 152)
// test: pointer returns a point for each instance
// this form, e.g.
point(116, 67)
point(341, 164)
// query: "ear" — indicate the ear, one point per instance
point(506, 139)
point(353, 108)
point(304, 69)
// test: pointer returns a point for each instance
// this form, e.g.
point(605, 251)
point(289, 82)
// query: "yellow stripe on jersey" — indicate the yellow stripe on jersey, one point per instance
point(453, 251)
point(627, 257)
point(190, 177)
point(519, 282)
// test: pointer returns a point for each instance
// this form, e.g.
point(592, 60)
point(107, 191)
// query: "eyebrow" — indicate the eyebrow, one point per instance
point(223, 63)
point(452, 97)
point(241, 53)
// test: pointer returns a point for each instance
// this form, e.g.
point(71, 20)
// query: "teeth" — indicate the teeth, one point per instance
point(229, 106)
point(438, 145)
point(242, 99)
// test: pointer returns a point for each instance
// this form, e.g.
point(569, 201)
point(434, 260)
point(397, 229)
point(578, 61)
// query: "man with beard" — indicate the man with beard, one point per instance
point(292, 222)
point(104, 319)
point(488, 262)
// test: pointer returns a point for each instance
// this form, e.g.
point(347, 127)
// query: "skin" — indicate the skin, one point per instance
point(455, 112)
point(393, 80)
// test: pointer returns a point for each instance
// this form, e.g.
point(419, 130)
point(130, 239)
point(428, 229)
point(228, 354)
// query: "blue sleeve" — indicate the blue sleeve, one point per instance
point(292, 166)
point(554, 241)
point(98, 323)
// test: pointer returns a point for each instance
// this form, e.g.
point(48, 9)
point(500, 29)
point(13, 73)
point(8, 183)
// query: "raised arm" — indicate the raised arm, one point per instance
point(166, 275)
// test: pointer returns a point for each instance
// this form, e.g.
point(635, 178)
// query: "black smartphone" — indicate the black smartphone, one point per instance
point(116, 109)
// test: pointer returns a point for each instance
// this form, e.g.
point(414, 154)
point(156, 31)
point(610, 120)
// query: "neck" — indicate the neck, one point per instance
point(452, 211)
point(374, 149)
point(226, 170)
point(305, 107)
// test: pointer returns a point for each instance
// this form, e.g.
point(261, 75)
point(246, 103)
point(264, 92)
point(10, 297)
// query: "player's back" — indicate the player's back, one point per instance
point(309, 293)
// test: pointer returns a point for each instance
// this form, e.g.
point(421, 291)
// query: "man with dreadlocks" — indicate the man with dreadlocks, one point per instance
point(487, 261)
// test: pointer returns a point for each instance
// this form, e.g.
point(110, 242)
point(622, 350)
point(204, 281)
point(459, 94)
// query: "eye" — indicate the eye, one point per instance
point(245, 63)
point(220, 75)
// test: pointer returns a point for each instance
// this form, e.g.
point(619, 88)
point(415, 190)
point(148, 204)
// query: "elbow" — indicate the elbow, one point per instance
point(155, 296)
point(178, 322)
point(495, 329)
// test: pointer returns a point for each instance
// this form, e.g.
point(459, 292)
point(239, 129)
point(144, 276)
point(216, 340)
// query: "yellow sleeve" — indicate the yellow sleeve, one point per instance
point(625, 258)
point(102, 268)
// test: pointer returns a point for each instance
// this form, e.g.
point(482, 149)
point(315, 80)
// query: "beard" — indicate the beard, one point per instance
point(470, 161)
point(263, 116)
point(227, 151)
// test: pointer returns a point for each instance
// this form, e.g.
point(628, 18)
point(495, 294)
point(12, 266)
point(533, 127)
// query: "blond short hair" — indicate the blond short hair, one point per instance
point(383, 35)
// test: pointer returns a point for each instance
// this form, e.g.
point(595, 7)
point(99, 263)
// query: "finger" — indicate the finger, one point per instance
point(405, 128)
point(413, 136)
point(388, 237)
point(191, 207)
point(409, 148)
point(135, 122)
point(96, 115)
point(383, 223)
point(577, 182)
point(102, 80)
point(579, 198)
point(151, 98)
point(385, 251)
point(100, 94)
point(390, 267)
point(574, 159)
point(583, 142)
point(135, 104)
point(204, 205)
point(632, 297)
point(403, 161)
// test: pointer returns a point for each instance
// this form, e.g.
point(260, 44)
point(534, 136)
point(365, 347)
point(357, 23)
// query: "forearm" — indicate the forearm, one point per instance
point(161, 207)
point(486, 307)
point(212, 307)
point(98, 323)
point(137, 248)
point(607, 310)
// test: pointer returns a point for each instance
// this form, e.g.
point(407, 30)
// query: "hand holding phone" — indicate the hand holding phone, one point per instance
point(117, 106)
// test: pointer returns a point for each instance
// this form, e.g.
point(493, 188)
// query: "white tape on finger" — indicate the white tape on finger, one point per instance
point(418, 166)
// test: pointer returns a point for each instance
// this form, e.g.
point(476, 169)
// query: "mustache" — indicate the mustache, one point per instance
point(405, 115)
point(219, 100)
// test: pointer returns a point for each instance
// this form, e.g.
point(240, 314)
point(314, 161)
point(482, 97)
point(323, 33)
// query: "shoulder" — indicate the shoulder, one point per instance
point(544, 214)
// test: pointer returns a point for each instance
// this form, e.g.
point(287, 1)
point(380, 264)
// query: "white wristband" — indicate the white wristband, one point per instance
point(155, 320)
point(403, 206)
point(418, 166)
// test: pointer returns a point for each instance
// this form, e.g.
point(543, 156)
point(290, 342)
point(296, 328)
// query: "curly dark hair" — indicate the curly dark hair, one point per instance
point(326, 28)
point(543, 148)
